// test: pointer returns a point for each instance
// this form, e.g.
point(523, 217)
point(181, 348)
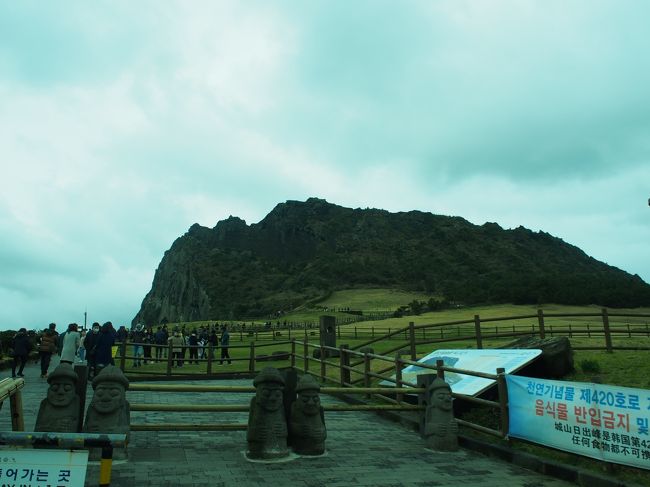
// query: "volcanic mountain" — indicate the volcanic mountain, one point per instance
point(302, 251)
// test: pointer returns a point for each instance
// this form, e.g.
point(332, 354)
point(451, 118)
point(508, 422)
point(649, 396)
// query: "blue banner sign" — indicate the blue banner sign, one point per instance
point(609, 423)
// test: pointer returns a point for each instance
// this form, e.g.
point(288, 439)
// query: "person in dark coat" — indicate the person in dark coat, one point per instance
point(193, 343)
point(90, 342)
point(104, 346)
point(22, 346)
point(225, 343)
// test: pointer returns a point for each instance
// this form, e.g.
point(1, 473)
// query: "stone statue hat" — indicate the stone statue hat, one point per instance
point(307, 383)
point(111, 373)
point(63, 370)
point(269, 374)
point(438, 383)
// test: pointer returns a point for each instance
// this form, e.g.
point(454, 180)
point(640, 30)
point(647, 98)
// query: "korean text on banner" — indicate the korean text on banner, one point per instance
point(609, 423)
point(43, 468)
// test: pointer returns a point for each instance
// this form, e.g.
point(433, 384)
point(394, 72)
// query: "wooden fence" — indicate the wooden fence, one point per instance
point(11, 388)
point(408, 340)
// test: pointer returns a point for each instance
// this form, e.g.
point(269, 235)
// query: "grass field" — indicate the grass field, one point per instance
point(372, 299)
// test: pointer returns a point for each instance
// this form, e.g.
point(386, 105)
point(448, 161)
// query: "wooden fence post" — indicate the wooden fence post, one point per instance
point(366, 372)
point(412, 340)
point(540, 319)
point(323, 371)
point(477, 329)
point(306, 353)
point(16, 408)
point(170, 358)
point(398, 377)
point(210, 358)
point(440, 372)
point(251, 358)
point(344, 362)
point(503, 401)
point(123, 357)
point(608, 336)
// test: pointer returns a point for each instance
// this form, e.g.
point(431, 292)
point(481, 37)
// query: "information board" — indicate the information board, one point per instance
point(43, 468)
point(484, 360)
point(609, 423)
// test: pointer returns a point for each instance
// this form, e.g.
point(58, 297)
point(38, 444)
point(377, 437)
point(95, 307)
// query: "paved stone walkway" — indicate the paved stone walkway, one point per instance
point(362, 450)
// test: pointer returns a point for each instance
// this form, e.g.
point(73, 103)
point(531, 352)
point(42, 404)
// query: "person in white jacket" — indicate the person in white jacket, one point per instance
point(70, 344)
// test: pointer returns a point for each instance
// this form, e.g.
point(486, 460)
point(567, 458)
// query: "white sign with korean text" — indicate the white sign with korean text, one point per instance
point(609, 423)
point(482, 360)
point(43, 468)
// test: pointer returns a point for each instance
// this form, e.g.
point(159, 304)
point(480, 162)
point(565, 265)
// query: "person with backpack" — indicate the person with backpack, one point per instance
point(177, 341)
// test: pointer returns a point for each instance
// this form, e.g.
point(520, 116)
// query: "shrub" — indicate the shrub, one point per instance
point(590, 366)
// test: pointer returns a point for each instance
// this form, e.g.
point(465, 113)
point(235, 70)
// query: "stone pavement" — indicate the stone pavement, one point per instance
point(362, 450)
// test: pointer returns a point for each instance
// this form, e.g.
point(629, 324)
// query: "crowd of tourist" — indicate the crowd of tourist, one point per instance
point(196, 343)
point(96, 346)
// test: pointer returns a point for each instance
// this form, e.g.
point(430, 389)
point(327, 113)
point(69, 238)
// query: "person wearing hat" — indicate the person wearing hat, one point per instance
point(21, 348)
point(109, 411)
point(193, 344)
point(267, 427)
point(59, 411)
point(307, 423)
point(440, 427)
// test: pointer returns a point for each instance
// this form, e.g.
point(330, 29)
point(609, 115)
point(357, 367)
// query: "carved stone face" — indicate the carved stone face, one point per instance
point(61, 392)
point(441, 399)
point(109, 397)
point(309, 402)
point(269, 396)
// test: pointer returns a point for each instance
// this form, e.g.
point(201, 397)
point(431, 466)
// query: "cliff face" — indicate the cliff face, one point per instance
point(176, 294)
point(303, 250)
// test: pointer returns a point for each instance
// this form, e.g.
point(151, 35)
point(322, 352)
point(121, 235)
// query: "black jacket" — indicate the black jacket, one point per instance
point(21, 344)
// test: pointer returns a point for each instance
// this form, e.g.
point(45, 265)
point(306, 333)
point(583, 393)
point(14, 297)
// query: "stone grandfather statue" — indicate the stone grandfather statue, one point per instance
point(59, 411)
point(267, 426)
point(440, 427)
point(109, 410)
point(307, 424)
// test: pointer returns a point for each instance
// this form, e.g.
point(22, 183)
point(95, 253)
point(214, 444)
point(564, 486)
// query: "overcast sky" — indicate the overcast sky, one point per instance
point(123, 123)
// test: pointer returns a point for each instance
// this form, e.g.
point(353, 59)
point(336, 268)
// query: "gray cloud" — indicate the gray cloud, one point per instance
point(124, 123)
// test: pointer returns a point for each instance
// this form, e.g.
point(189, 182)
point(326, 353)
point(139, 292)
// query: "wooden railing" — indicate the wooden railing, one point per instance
point(385, 373)
point(243, 407)
point(359, 372)
point(475, 330)
point(11, 388)
point(212, 354)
